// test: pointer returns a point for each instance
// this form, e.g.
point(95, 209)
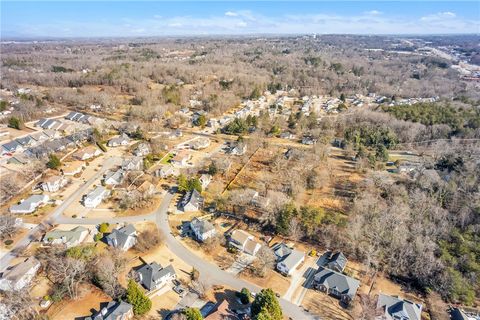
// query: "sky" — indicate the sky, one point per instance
point(72, 19)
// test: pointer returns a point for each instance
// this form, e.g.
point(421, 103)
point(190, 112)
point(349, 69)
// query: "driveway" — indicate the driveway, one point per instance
point(211, 273)
point(299, 278)
point(243, 261)
point(52, 217)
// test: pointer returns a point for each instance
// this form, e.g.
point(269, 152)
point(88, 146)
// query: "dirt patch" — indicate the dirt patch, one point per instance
point(327, 307)
point(272, 279)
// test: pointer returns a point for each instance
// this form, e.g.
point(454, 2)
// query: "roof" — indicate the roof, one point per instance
point(97, 192)
point(457, 314)
point(180, 156)
point(281, 250)
point(30, 203)
point(16, 272)
point(339, 259)
point(11, 146)
point(113, 311)
point(117, 176)
point(25, 140)
point(221, 312)
point(71, 236)
point(293, 258)
point(152, 272)
point(251, 245)
point(122, 234)
point(53, 178)
point(201, 226)
point(146, 186)
point(72, 166)
point(395, 306)
point(192, 197)
point(240, 236)
point(334, 280)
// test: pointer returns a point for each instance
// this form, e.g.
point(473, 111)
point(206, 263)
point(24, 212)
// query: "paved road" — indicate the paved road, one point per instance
point(209, 272)
point(52, 218)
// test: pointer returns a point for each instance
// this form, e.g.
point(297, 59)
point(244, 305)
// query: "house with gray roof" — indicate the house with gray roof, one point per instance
point(113, 178)
point(11, 147)
point(152, 276)
point(69, 238)
point(95, 197)
point(202, 229)
point(30, 204)
point(336, 284)
point(395, 308)
point(121, 140)
point(142, 149)
point(281, 251)
point(113, 310)
point(192, 201)
point(291, 262)
point(123, 238)
point(20, 275)
point(26, 141)
point(245, 242)
point(133, 163)
point(337, 262)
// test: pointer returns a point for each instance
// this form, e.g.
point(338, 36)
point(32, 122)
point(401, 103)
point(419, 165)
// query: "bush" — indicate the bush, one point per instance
point(53, 162)
point(98, 237)
point(103, 227)
point(15, 123)
point(194, 275)
point(245, 296)
point(137, 298)
point(192, 314)
point(8, 242)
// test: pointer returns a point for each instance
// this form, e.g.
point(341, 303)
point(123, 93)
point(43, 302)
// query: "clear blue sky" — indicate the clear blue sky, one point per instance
point(128, 18)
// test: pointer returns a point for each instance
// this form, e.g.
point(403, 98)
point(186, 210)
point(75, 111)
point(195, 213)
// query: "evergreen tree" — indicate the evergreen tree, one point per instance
point(266, 306)
point(135, 296)
point(192, 314)
point(53, 162)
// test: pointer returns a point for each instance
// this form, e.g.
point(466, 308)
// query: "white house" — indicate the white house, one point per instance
point(133, 163)
point(95, 197)
point(202, 229)
point(142, 150)
point(113, 178)
point(19, 276)
point(123, 238)
point(54, 183)
point(121, 140)
point(192, 201)
point(30, 204)
point(166, 171)
point(181, 158)
point(87, 153)
point(291, 262)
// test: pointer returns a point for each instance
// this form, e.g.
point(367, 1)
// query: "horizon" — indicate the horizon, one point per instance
point(125, 19)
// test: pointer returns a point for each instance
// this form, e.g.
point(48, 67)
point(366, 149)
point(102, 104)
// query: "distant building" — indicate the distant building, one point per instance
point(20, 275)
point(121, 140)
point(202, 229)
point(395, 308)
point(87, 153)
point(308, 140)
point(113, 178)
point(123, 238)
point(200, 143)
point(142, 150)
point(72, 168)
point(30, 204)
point(132, 164)
point(152, 276)
point(181, 158)
point(166, 171)
point(205, 180)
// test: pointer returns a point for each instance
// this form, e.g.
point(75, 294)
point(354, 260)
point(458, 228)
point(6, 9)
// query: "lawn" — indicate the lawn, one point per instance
point(166, 159)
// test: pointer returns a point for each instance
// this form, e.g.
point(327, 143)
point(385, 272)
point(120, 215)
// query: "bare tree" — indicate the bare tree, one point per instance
point(18, 305)
point(8, 226)
point(265, 260)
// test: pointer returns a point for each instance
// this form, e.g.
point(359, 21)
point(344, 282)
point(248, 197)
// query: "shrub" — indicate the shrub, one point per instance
point(137, 298)
point(98, 237)
point(245, 296)
point(103, 227)
point(8, 242)
point(15, 123)
point(53, 162)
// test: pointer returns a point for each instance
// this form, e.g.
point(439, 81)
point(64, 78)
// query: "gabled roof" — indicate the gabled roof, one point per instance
point(11, 146)
point(395, 306)
point(192, 197)
point(112, 311)
point(16, 272)
point(151, 273)
point(122, 234)
point(97, 192)
point(30, 203)
point(334, 280)
point(201, 226)
point(70, 236)
point(116, 176)
point(339, 259)
point(25, 140)
point(240, 236)
point(281, 250)
point(293, 258)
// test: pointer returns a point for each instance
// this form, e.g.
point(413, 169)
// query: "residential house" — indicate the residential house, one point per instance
point(337, 262)
point(205, 180)
point(202, 229)
point(87, 153)
point(54, 183)
point(221, 311)
point(336, 284)
point(30, 204)
point(39, 136)
point(152, 276)
point(51, 134)
point(281, 251)
point(121, 140)
point(245, 242)
point(200, 143)
point(166, 171)
point(113, 310)
point(291, 262)
point(21, 159)
point(75, 116)
point(46, 123)
point(142, 150)
point(11, 147)
point(181, 158)
point(69, 238)
point(20, 275)
point(113, 178)
point(72, 168)
point(308, 140)
point(395, 308)
point(238, 149)
point(133, 163)
point(123, 238)
point(95, 197)
point(459, 314)
point(192, 201)
point(26, 141)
